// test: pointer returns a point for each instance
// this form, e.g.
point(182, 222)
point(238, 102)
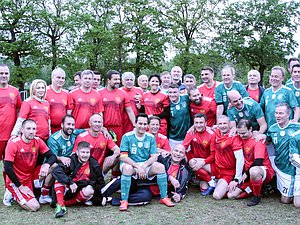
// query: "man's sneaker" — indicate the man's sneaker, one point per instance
point(253, 201)
point(8, 198)
point(166, 201)
point(45, 199)
point(60, 211)
point(88, 203)
point(124, 205)
point(208, 191)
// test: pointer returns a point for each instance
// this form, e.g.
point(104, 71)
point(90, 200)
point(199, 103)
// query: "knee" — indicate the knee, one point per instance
point(255, 172)
point(88, 190)
point(159, 168)
point(285, 200)
point(127, 169)
point(231, 195)
point(217, 195)
point(34, 206)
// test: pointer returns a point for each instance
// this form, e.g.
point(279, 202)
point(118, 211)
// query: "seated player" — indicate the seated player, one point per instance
point(257, 169)
point(83, 178)
point(20, 162)
point(138, 159)
point(178, 174)
point(201, 157)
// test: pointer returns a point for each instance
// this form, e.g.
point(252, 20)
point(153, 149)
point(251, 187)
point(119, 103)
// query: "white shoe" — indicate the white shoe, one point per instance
point(45, 199)
point(8, 198)
point(88, 203)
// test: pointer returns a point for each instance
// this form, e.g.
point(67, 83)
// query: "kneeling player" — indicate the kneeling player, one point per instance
point(83, 177)
point(257, 168)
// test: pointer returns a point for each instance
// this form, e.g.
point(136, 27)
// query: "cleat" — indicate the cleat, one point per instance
point(254, 201)
point(45, 199)
point(208, 191)
point(60, 211)
point(8, 198)
point(166, 201)
point(88, 203)
point(124, 205)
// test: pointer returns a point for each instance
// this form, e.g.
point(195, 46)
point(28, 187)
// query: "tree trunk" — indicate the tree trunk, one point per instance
point(261, 70)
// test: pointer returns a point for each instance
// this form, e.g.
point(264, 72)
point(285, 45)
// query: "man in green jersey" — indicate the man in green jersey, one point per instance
point(295, 84)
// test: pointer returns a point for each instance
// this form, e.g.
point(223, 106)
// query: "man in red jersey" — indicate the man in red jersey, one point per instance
point(20, 164)
point(135, 95)
point(253, 88)
point(257, 169)
point(57, 98)
point(116, 102)
point(83, 101)
point(201, 156)
point(229, 159)
point(97, 80)
point(201, 104)
point(99, 144)
point(162, 143)
point(207, 88)
point(143, 82)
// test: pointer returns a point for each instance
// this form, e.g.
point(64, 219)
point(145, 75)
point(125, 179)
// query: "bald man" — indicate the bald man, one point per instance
point(245, 108)
point(253, 88)
point(176, 74)
point(143, 82)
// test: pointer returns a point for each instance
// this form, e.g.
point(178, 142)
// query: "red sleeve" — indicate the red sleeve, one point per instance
point(211, 158)
point(100, 104)
point(25, 110)
point(126, 100)
point(77, 140)
point(213, 106)
point(186, 143)
point(166, 145)
point(110, 144)
point(71, 103)
point(236, 143)
point(165, 101)
point(10, 151)
point(259, 150)
point(19, 101)
point(43, 148)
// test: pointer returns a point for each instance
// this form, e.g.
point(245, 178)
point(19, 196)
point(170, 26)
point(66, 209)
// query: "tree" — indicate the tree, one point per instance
point(259, 33)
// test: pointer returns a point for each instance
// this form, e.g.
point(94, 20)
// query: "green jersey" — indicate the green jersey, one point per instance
point(270, 99)
point(139, 149)
point(281, 138)
point(221, 93)
point(295, 90)
point(180, 119)
point(251, 111)
point(61, 146)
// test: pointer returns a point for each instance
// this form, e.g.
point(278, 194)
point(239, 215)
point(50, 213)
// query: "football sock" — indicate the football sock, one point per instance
point(45, 190)
point(125, 186)
point(162, 184)
point(256, 184)
point(60, 192)
point(203, 175)
point(80, 197)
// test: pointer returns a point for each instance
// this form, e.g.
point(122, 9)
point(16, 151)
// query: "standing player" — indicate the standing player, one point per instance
point(253, 88)
point(291, 62)
point(166, 80)
point(176, 74)
point(143, 82)
point(116, 103)
point(295, 84)
point(208, 86)
point(20, 165)
point(189, 81)
point(57, 98)
point(96, 80)
point(83, 101)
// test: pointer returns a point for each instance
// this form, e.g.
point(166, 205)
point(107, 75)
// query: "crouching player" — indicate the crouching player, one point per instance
point(83, 178)
point(257, 169)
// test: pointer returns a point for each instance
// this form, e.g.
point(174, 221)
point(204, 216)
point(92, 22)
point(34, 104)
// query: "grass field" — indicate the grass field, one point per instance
point(194, 209)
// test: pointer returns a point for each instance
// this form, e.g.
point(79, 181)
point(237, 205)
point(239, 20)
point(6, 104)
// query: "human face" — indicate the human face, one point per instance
point(58, 79)
point(77, 80)
point(292, 63)
point(196, 97)
point(114, 82)
point(28, 131)
point(276, 78)
point(282, 116)
point(174, 94)
point(199, 124)
point(224, 125)
point(143, 82)
point(237, 101)
point(154, 126)
point(207, 76)
point(253, 78)
point(296, 74)
point(154, 84)
point(227, 76)
point(177, 154)
point(166, 79)
point(68, 126)
point(128, 82)
point(189, 82)
point(141, 126)
point(83, 154)
point(4, 76)
point(40, 90)
point(244, 132)
point(96, 123)
point(86, 80)
point(96, 81)
point(176, 75)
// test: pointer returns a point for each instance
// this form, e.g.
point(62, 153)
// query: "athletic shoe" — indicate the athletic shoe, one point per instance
point(88, 203)
point(60, 211)
point(8, 198)
point(166, 201)
point(45, 199)
point(124, 205)
point(253, 201)
point(208, 191)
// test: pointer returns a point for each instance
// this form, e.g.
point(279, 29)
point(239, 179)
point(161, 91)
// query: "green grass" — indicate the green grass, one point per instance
point(194, 209)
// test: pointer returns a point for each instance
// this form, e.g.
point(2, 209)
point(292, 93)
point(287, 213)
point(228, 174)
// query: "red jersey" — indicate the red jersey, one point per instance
point(208, 92)
point(254, 94)
point(162, 142)
point(131, 94)
point(58, 107)
point(84, 105)
point(99, 145)
point(256, 150)
point(155, 105)
point(208, 107)
point(39, 112)
point(224, 150)
point(24, 157)
point(202, 145)
point(10, 101)
point(114, 103)
point(83, 173)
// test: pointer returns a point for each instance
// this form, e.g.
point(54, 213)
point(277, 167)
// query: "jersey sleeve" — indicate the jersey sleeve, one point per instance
point(187, 140)
point(111, 144)
point(243, 91)
point(218, 95)
point(258, 111)
point(211, 158)
point(10, 152)
point(124, 146)
point(153, 149)
point(77, 140)
point(292, 99)
point(100, 107)
point(165, 101)
point(43, 148)
point(236, 144)
point(126, 100)
point(230, 114)
point(166, 145)
point(71, 102)
point(262, 101)
point(19, 100)
point(259, 150)
point(25, 110)
point(52, 145)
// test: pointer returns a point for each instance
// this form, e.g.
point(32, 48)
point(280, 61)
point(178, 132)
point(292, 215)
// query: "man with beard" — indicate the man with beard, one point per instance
point(116, 102)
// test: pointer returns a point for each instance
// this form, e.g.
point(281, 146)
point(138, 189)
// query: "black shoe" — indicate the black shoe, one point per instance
point(254, 201)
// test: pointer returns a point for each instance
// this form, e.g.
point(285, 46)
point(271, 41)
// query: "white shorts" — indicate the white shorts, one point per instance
point(135, 175)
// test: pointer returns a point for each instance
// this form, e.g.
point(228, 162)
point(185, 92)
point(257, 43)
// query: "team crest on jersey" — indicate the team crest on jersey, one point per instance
point(297, 93)
point(205, 142)
point(177, 107)
point(140, 144)
point(12, 95)
point(223, 144)
point(280, 96)
point(87, 171)
point(184, 104)
point(33, 149)
point(46, 108)
point(147, 144)
point(241, 114)
point(93, 101)
point(118, 99)
point(282, 133)
point(102, 144)
point(246, 113)
point(64, 101)
point(247, 149)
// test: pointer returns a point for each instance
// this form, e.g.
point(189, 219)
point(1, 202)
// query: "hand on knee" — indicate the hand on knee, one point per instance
point(88, 190)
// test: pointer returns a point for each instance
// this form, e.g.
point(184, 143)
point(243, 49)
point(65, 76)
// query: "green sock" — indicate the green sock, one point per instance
point(162, 184)
point(125, 186)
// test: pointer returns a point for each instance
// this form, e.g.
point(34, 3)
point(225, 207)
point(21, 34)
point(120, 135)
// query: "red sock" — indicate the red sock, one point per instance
point(4, 176)
point(256, 184)
point(115, 173)
point(60, 192)
point(243, 195)
point(80, 197)
point(203, 175)
point(45, 190)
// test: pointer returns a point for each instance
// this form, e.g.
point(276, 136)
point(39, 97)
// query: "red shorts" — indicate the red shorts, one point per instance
point(17, 195)
point(119, 132)
point(224, 174)
point(2, 149)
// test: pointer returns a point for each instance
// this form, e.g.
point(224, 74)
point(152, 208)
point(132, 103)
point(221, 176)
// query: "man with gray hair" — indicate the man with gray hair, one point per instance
point(253, 88)
point(143, 82)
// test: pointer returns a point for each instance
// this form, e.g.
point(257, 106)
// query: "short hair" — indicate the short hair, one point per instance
point(58, 70)
point(222, 117)
point(110, 73)
point(78, 73)
point(157, 76)
point(128, 74)
point(143, 115)
point(176, 67)
point(292, 59)
point(284, 104)
point(34, 85)
point(244, 122)
point(96, 72)
point(86, 72)
point(173, 85)
point(154, 118)
point(201, 115)
point(67, 116)
point(27, 121)
point(208, 68)
point(296, 65)
point(255, 72)
point(165, 73)
point(280, 69)
point(191, 76)
point(228, 67)
point(83, 144)
point(189, 90)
